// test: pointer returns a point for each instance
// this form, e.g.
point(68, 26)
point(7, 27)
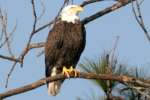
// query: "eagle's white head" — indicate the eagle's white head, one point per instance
point(70, 13)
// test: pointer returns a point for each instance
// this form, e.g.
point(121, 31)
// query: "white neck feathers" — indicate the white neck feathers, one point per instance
point(69, 18)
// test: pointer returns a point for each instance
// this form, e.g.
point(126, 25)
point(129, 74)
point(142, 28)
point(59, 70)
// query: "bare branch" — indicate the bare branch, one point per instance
point(121, 79)
point(32, 46)
point(89, 2)
point(139, 18)
point(25, 51)
point(35, 16)
point(36, 45)
point(6, 39)
point(10, 58)
point(9, 73)
point(16, 60)
point(105, 11)
point(5, 34)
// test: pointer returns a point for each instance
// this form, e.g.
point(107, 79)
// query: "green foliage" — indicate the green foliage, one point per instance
point(99, 66)
point(106, 65)
point(102, 66)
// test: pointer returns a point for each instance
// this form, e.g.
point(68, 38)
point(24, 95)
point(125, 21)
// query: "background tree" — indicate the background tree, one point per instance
point(114, 90)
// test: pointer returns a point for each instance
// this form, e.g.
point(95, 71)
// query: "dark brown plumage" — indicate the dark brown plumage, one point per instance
point(64, 45)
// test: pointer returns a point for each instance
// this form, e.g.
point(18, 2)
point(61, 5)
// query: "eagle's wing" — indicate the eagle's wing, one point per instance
point(52, 46)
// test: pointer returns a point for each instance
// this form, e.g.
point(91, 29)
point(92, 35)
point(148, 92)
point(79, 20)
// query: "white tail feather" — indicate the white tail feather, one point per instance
point(53, 88)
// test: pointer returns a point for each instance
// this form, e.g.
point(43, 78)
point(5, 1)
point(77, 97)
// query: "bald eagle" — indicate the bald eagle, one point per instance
point(64, 45)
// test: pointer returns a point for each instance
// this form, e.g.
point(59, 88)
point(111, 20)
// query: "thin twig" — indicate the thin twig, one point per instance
point(9, 74)
point(5, 41)
point(36, 45)
point(31, 34)
point(10, 58)
point(139, 18)
point(35, 16)
point(5, 34)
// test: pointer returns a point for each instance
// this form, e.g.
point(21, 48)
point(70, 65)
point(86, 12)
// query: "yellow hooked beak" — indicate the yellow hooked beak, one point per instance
point(76, 9)
point(79, 9)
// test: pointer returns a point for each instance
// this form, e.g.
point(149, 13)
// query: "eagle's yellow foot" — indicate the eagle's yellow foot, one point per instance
point(69, 71)
point(66, 71)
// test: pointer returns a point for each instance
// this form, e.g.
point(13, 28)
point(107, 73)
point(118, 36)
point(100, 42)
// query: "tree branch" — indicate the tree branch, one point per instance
point(32, 33)
point(4, 32)
point(16, 60)
point(106, 11)
point(121, 79)
point(89, 2)
point(139, 18)
point(10, 58)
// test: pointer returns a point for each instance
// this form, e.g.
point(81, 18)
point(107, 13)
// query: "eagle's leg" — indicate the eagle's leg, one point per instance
point(69, 71)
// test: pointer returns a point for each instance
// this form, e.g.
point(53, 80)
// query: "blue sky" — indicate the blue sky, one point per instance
point(133, 48)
